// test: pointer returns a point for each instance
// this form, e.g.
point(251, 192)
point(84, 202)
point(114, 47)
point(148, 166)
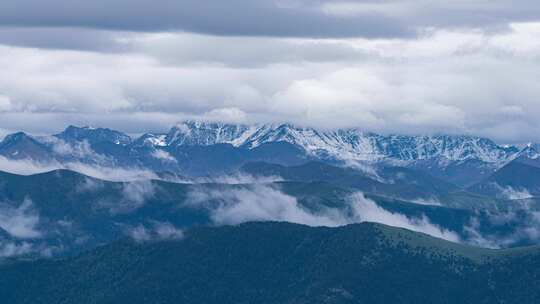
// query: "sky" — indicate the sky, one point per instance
point(408, 67)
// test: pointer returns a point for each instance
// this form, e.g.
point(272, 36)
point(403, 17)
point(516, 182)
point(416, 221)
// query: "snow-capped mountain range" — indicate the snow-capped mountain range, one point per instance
point(196, 147)
point(347, 144)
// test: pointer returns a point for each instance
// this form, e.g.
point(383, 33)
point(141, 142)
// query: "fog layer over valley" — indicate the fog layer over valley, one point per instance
point(63, 212)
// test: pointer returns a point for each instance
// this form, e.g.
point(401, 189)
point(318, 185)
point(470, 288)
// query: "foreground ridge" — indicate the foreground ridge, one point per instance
point(281, 263)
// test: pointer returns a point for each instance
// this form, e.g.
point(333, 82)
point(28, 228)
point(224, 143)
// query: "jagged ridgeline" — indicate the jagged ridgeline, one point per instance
point(451, 164)
point(281, 263)
point(199, 148)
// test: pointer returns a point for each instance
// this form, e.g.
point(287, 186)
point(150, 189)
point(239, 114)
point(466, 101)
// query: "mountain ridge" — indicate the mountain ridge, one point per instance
point(351, 143)
point(190, 146)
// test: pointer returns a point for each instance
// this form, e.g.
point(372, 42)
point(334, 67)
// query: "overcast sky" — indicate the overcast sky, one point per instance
point(410, 66)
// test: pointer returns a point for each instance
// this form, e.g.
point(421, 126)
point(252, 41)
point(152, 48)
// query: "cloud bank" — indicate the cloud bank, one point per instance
point(264, 203)
point(117, 174)
point(20, 222)
point(158, 231)
point(444, 80)
point(366, 210)
point(519, 226)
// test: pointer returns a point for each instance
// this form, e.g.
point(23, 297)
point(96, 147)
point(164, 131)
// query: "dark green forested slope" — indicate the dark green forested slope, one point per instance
point(281, 263)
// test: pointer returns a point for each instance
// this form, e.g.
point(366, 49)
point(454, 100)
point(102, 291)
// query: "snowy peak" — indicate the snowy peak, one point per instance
point(196, 133)
point(342, 145)
point(151, 140)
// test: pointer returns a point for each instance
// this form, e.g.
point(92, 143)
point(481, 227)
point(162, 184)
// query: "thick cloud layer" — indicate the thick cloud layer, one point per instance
point(235, 17)
point(20, 222)
point(410, 66)
point(448, 82)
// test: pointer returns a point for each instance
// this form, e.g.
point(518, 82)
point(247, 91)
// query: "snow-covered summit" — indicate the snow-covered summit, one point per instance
point(344, 144)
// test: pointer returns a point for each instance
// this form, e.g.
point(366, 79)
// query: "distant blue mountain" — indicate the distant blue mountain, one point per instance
point(94, 135)
point(23, 146)
point(202, 148)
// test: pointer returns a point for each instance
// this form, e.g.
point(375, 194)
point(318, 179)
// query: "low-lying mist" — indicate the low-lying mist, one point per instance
point(29, 167)
point(268, 203)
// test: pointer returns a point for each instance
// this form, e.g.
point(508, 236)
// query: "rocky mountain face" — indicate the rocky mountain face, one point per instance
point(348, 144)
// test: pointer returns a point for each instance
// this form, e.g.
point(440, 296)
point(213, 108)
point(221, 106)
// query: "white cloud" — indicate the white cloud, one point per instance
point(164, 156)
point(515, 194)
point(134, 195)
point(156, 232)
point(137, 192)
point(366, 210)
point(431, 201)
point(238, 178)
point(167, 231)
point(12, 249)
point(90, 185)
point(20, 222)
point(139, 233)
point(77, 150)
point(451, 81)
point(476, 238)
point(29, 167)
point(5, 103)
point(117, 174)
point(264, 203)
point(522, 225)
point(25, 166)
point(511, 193)
point(259, 203)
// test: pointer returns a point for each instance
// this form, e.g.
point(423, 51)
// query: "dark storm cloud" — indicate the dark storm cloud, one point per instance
point(283, 18)
point(61, 38)
point(232, 17)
